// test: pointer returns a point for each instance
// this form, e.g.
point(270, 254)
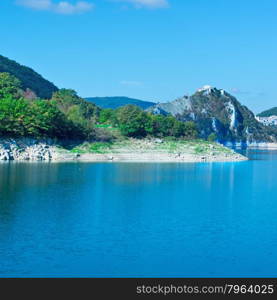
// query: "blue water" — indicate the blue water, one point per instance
point(139, 220)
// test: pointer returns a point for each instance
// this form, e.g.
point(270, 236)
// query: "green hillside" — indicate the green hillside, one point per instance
point(66, 116)
point(28, 78)
point(269, 112)
point(116, 102)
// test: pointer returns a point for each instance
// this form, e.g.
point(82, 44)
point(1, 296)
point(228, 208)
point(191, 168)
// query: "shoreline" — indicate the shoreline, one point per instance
point(127, 150)
point(92, 159)
point(132, 158)
point(158, 158)
point(261, 145)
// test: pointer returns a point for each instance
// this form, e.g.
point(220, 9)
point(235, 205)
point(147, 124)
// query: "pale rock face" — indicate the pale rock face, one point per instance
point(215, 110)
point(248, 135)
point(205, 88)
point(158, 111)
point(192, 115)
point(222, 92)
point(214, 125)
point(232, 111)
point(26, 149)
point(176, 107)
point(4, 155)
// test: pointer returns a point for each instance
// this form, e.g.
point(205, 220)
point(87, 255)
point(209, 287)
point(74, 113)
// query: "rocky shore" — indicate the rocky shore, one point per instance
point(159, 157)
point(131, 150)
point(27, 149)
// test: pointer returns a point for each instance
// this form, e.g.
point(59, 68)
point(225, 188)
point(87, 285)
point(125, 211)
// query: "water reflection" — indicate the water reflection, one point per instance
point(81, 219)
point(259, 154)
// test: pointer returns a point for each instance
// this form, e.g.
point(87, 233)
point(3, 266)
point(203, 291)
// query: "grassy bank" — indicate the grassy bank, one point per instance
point(167, 146)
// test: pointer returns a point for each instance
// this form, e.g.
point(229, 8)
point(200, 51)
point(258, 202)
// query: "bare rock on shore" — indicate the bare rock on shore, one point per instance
point(27, 149)
point(131, 150)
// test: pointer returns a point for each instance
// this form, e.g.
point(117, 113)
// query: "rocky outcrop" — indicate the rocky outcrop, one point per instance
point(216, 111)
point(27, 149)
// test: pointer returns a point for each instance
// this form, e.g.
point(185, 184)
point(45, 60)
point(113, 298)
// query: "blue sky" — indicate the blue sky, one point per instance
point(148, 49)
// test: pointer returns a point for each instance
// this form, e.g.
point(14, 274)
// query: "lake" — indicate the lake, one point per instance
point(139, 219)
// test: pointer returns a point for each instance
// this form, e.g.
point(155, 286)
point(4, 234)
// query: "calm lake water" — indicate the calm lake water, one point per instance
point(139, 220)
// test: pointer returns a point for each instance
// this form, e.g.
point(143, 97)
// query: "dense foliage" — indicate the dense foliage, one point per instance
point(28, 77)
point(9, 85)
point(212, 137)
point(134, 122)
point(82, 113)
point(67, 116)
point(39, 119)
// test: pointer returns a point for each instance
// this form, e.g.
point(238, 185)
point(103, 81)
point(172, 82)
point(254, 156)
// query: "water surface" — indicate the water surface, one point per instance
point(139, 220)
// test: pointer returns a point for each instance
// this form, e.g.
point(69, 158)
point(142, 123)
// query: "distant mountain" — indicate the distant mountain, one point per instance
point(29, 78)
point(269, 112)
point(216, 111)
point(115, 102)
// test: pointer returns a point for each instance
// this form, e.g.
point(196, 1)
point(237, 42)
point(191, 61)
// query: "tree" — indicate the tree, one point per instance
point(9, 85)
point(191, 131)
point(38, 119)
point(212, 137)
point(12, 113)
point(154, 125)
point(45, 119)
point(81, 113)
point(131, 121)
point(66, 98)
point(107, 116)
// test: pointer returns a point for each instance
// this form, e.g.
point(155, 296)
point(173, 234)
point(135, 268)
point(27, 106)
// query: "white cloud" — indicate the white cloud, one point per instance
point(235, 90)
point(238, 91)
point(67, 8)
point(147, 3)
point(130, 83)
point(35, 4)
point(61, 7)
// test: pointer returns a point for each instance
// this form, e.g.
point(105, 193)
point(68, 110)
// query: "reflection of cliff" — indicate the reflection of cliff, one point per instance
point(109, 219)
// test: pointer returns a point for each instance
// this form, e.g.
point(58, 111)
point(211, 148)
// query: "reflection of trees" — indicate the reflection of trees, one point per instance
point(14, 178)
point(17, 178)
point(39, 190)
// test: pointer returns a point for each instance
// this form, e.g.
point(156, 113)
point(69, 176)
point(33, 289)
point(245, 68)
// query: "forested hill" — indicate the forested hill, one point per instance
point(116, 102)
point(28, 78)
point(269, 112)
